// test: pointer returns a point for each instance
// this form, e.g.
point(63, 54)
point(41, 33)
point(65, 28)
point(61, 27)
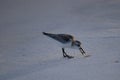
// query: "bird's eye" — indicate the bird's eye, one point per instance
point(78, 45)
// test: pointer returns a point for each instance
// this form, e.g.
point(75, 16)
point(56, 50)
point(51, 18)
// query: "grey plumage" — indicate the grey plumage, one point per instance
point(63, 38)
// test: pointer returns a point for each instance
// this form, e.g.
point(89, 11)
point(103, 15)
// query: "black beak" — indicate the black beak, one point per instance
point(82, 51)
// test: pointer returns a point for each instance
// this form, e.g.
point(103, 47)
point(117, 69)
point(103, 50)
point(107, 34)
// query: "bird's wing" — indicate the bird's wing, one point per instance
point(63, 38)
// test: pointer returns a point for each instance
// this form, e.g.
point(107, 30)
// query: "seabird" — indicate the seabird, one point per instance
point(67, 41)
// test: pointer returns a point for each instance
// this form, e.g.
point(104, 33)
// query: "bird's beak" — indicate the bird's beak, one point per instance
point(82, 51)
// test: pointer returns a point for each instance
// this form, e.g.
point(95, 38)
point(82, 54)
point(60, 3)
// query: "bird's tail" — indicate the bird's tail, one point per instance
point(45, 33)
point(48, 34)
point(54, 36)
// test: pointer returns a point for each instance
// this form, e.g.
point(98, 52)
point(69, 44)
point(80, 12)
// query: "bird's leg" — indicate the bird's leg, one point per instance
point(72, 42)
point(65, 54)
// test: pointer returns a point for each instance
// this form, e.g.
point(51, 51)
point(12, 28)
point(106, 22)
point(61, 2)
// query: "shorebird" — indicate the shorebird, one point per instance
point(67, 41)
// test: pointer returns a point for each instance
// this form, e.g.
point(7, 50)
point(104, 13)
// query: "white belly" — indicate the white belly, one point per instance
point(68, 45)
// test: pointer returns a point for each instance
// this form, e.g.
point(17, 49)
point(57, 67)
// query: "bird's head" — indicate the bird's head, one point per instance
point(77, 44)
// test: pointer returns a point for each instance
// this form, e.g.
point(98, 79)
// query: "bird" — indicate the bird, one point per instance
point(67, 41)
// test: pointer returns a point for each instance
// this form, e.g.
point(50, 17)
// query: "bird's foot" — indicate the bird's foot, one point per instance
point(68, 56)
point(87, 55)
